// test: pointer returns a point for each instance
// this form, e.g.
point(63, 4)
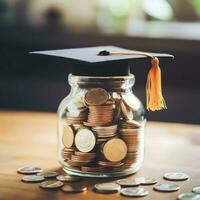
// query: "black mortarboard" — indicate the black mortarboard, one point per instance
point(114, 61)
point(87, 61)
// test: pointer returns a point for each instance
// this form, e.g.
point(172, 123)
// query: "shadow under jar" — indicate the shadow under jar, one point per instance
point(101, 127)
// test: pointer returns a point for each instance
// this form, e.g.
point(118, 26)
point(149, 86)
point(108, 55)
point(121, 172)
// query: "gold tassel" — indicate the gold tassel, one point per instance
point(154, 98)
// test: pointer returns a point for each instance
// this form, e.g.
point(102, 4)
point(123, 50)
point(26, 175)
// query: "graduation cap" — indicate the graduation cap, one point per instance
point(114, 61)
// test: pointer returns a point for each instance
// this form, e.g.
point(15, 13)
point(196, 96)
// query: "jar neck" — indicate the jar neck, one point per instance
point(111, 83)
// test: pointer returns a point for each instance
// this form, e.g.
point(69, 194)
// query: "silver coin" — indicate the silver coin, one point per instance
point(146, 181)
point(29, 170)
point(73, 188)
point(68, 178)
point(32, 178)
point(51, 184)
point(176, 176)
point(189, 196)
point(48, 174)
point(196, 190)
point(107, 188)
point(128, 182)
point(166, 187)
point(134, 192)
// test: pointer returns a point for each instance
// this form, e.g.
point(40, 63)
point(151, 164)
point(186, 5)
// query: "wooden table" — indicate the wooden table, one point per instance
point(29, 138)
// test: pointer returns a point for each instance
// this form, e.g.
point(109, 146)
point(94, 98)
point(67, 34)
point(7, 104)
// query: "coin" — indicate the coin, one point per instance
point(73, 188)
point(128, 182)
point(127, 112)
point(115, 149)
point(85, 140)
point(146, 181)
point(32, 178)
point(92, 169)
point(196, 190)
point(68, 136)
point(29, 170)
point(51, 184)
point(166, 187)
point(48, 174)
point(107, 188)
point(176, 176)
point(96, 96)
point(189, 196)
point(128, 101)
point(134, 192)
point(68, 178)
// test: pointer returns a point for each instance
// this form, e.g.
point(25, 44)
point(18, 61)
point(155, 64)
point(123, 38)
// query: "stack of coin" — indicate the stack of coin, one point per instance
point(101, 107)
point(104, 133)
point(101, 115)
point(83, 158)
point(77, 117)
point(132, 135)
point(67, 153)
point(101, 134)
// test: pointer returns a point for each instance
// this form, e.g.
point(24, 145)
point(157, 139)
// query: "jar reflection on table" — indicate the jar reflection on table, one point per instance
point(101, 127)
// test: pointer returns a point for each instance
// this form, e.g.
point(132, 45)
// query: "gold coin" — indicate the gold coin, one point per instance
point(129, 102)
point(68, 136)
point(96, 96)
point(85, 140)
point(127, 112)
point(134, 123)
point(115, 149)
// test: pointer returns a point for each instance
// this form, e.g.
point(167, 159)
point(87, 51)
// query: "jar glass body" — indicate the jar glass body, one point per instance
point(101, 127)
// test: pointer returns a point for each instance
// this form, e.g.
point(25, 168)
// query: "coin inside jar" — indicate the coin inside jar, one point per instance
point(127, 112)
point(176, 176)
point(115, 149)
point(68, 136)
point(51, 184)
point(96, 96)
point(134, 192)
point(85, 140)
point(166, 187)
point(107, 188)
point(73, 188)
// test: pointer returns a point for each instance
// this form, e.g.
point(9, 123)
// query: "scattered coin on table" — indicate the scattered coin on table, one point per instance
point(68, 178)
point(51, 184)
point(134, 192)
point(196, 190)
point(188, 196)
point(146, 181)
point(73, 188)
point(166, 187)
point(176, 176)
point(128, 182)
point(29, 170)
point(48, 174)
point(107, 188)
point(32, 178)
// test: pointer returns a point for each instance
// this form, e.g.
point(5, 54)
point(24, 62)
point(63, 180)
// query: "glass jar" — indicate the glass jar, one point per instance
point(101, 127)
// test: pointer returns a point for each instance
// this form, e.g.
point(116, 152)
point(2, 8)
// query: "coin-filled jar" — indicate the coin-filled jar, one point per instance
point(101, 127)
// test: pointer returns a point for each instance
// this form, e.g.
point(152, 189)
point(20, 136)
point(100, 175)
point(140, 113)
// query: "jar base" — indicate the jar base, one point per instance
point(102, 175)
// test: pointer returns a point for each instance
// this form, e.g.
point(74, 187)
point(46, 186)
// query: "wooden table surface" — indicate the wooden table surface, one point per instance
point(29, 138)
